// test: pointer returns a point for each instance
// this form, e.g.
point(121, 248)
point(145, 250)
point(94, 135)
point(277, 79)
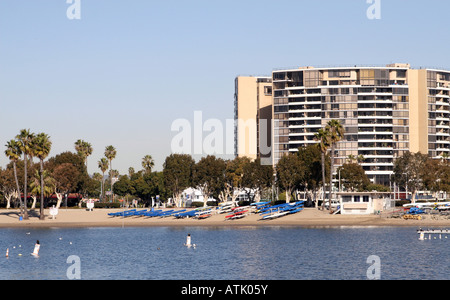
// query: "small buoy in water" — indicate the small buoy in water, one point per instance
point(7, 252)
point(422, 236)
point(60, 238)
point(37, 246)
point(188, 242)
point(70, 243)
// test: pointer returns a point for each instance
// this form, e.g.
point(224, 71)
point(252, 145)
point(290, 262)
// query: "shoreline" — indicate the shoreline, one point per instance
point(309, 217)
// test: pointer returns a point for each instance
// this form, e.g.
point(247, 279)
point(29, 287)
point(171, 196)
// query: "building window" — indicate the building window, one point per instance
point(339, 73)
point(278, 76)
point(401, 73)
point(346, 198)
point(374, 77)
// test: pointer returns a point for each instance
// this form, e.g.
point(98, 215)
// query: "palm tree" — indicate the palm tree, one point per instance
point(351, 158)
point(322, 136)
point(13, 152)
point(84, 149)
point(103, 166)
point(445, 157)
point(26, 139)
point(336, 133)
point(110, 153)
point(36, 184)
point(41, 148)
point(114, 173)
point(148, 163)
point(131, 171)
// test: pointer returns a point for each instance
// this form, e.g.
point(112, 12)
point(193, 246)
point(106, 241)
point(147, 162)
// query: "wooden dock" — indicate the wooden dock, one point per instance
point(430, 232)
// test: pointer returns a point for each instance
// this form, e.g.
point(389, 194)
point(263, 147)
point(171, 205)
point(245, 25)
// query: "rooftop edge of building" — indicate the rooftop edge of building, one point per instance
point(405, 66)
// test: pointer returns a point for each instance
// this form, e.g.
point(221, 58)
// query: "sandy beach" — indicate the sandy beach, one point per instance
point(309, 217)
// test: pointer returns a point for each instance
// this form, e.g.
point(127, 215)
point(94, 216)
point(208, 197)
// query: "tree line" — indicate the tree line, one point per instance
point(310, 169)
point(418, 172)
point(59, 175)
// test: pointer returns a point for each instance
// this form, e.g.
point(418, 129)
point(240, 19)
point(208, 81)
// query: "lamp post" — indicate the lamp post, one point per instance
point(340, 179)
point(273, 184)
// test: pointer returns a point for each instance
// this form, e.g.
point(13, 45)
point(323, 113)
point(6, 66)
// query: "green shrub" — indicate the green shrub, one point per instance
point(105, 205)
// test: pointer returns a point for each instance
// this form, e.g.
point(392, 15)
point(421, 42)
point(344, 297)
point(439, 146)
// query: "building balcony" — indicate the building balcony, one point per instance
point(376, 156)
point(301, 143)
point(374, 123)
point(306, 126)
point(442, 103)
point(292, 134)
point(379, 148)
point(376, 140)
point(374, 117)
point(442, 111)
point(303, 101)
point(442, 133)
point(377, 164)
point(443, 125)
point(370, 172)
point(441, 118)
point(443, 144)
point(375, 93)
point(315, 110)
point(304, 118)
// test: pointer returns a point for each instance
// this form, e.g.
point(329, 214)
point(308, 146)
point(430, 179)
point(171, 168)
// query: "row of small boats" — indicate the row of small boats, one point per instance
point(152, 213)
point(266, 210)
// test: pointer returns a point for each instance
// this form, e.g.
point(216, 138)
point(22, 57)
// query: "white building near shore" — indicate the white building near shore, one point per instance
point(364, 203)
point(191, 195)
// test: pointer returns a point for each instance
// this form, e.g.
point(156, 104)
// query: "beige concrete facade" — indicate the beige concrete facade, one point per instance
point(253, 115)
point(418, 114)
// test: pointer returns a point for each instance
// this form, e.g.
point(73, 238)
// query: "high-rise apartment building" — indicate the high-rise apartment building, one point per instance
point(385, 112)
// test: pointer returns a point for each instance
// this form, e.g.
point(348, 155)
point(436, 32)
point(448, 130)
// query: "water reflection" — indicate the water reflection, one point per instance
point(223, 253)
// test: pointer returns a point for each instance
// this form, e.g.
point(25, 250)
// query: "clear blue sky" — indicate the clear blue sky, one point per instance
point(127, 69)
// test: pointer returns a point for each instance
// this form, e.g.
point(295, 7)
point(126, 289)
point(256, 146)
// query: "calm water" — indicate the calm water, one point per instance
point(223, 253)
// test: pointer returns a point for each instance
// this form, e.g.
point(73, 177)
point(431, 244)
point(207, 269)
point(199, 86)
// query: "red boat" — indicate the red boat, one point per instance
point(204, 215)
point(236, 214)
